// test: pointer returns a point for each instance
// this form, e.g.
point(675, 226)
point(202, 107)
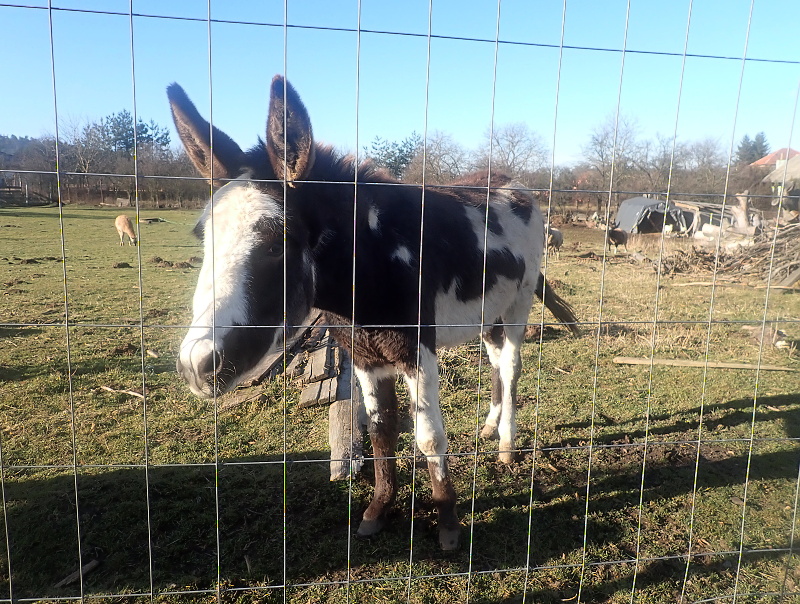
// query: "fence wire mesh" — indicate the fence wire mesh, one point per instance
point(657, 455)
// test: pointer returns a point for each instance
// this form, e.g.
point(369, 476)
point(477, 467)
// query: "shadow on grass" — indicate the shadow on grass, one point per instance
point(17, 331)
point(650, 574)
point(130, 363)
point(260, 522)
point(770, 405)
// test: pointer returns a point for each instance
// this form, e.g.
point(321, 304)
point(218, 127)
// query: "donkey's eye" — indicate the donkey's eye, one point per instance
point(276, 249)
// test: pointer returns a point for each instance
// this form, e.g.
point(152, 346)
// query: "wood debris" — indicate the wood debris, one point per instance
point(758, 261)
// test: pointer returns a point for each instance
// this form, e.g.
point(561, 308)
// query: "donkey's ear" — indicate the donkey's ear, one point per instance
point(290, 142)
point(218, 156)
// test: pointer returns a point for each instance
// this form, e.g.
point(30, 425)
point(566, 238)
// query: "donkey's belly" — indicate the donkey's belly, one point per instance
point(458, 321)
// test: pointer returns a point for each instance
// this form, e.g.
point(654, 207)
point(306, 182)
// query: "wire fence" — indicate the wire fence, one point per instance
point(678, 480)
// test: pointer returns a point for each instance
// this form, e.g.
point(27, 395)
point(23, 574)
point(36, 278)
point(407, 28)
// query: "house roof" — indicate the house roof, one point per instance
point(773, 158)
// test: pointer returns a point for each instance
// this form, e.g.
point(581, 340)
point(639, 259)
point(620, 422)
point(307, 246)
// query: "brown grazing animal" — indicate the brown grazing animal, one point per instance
point(555, 239)
point(125, 227)
point(617, 237)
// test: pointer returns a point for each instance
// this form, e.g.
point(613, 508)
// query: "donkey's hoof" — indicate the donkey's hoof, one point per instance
point(506, 454)
point(488, 431)
point(367, 528)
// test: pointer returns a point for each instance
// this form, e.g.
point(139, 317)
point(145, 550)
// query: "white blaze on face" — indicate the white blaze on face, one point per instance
point(220, 299)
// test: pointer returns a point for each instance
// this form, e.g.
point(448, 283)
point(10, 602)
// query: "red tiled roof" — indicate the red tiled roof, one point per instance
point(775, 157)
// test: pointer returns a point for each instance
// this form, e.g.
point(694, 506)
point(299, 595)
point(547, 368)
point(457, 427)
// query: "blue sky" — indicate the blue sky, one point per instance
point(386, 74)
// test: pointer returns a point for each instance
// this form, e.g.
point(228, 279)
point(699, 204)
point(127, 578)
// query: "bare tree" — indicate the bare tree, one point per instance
point(655, 161)
point(445, 160)
point(515, 150)
point(611, 146)
point(706, 166)
point(82, 150)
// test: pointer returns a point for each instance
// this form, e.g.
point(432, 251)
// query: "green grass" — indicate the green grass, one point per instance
point(148, 491)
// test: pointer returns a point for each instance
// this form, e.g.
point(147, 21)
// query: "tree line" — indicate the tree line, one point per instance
point(614, 157)
point(97, 159)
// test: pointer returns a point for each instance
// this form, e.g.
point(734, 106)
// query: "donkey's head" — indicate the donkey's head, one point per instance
point(257, 278)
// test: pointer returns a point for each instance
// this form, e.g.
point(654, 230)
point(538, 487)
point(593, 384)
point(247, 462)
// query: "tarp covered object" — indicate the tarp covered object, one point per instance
point(643, 215)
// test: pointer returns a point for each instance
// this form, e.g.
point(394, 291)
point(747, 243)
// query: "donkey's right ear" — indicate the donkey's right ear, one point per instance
point(213, 153)
point(290, 141)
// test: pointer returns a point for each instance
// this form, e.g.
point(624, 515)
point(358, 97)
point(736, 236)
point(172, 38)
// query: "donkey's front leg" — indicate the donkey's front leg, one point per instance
point(380, 402)
point(423, 385)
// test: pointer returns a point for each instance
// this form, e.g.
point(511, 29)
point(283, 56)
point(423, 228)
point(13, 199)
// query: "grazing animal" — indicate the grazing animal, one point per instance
point(617, 237)
point(125, 227)
point(555, 239)
point(297, 226)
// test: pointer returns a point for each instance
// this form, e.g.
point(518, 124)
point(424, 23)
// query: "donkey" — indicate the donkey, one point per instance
point(297, 226)
point(125, 227)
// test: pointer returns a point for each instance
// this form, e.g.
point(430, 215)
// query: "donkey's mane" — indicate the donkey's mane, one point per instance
point(329, 166)
point(480, 179)
point(335, 167)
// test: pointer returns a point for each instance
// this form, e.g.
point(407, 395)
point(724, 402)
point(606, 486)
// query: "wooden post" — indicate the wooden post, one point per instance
point(346, 422)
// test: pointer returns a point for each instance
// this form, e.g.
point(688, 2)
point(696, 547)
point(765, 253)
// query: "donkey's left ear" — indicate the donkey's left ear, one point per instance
point(213, 153)
point(290, 142)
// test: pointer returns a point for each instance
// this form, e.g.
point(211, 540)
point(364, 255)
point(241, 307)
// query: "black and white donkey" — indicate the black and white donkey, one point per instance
point(296, 226)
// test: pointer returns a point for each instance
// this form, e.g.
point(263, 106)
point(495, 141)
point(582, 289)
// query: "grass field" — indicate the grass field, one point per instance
point(625, 474)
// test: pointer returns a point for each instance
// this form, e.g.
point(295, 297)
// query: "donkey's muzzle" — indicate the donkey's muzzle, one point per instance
point(200, 368)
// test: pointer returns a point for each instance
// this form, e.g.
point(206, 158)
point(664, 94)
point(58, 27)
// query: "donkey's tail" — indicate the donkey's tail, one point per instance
point(558, 306)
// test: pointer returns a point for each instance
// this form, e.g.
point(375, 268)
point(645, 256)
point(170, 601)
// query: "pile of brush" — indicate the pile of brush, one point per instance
point(760, 261)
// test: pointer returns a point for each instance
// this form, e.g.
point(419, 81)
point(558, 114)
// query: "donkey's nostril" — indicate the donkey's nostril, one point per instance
point(210, 365)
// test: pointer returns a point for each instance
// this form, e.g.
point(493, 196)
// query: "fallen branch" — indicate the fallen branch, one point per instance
point(687, 363)
point(130, 392)
point(85, 570)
